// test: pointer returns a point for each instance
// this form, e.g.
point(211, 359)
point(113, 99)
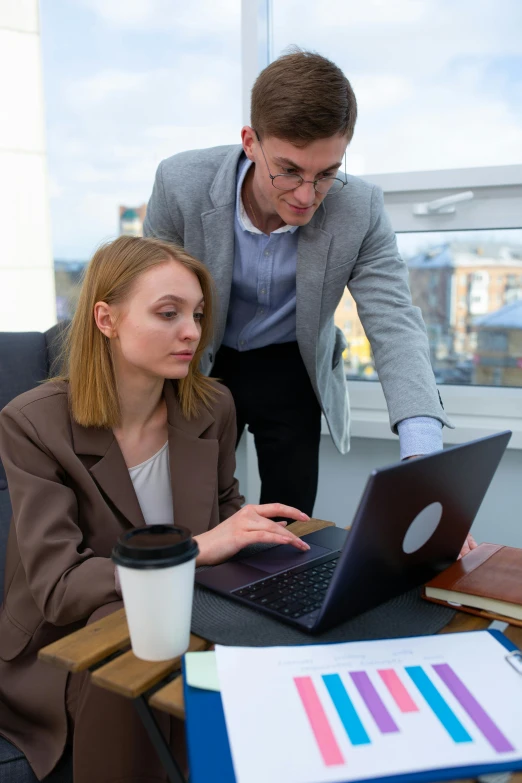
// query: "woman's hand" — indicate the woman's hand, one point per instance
point(250, 525)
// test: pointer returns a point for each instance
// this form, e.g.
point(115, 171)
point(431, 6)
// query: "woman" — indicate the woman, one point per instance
point(79, 453)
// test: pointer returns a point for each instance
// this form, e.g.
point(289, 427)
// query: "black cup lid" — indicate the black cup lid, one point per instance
point(155, 546)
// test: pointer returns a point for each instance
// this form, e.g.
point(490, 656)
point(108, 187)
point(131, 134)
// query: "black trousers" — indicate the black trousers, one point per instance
point(275, 399)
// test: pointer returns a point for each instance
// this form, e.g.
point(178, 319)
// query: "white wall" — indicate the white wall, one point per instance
point(27, 296)
point(342, 480)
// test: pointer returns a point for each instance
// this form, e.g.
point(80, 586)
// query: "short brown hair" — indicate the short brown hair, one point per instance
point(87, 357)
point(302, 97)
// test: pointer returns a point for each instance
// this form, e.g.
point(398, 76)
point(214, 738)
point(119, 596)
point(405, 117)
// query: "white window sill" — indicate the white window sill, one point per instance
point(476, 411)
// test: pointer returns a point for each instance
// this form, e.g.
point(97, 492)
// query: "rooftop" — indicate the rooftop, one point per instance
point(508, 317)
point(457, 255)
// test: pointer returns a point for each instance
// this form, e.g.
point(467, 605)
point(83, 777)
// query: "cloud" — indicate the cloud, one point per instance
point(332, 13)
point(437, 83)
point(55, 189)
point(376, 92)
point(87, 190)
point(103, 86)
point(169, 139)
point(416, 37)
point(438, 86)
point(194, 17)
point(441, 131)
point(195, 88)
point(95, 221)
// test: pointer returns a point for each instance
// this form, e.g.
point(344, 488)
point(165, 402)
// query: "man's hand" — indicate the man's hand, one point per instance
point(469, 544)
point(250, 525)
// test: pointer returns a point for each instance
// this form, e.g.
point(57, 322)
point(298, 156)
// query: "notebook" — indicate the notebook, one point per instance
point(409, 710)
point(486, 582)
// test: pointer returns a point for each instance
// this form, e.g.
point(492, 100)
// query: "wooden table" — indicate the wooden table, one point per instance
point(104, 649)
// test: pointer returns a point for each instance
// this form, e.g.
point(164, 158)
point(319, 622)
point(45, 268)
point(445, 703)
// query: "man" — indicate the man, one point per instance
point(283, 232)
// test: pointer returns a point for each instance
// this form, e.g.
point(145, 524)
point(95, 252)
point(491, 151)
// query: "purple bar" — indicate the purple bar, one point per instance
point(373, 701)
point(478, 715)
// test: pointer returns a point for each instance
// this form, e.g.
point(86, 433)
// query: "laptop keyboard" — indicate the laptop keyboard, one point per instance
point(293, 593)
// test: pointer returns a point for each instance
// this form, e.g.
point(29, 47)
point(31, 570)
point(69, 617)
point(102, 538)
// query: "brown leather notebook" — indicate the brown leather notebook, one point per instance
point(487, 582)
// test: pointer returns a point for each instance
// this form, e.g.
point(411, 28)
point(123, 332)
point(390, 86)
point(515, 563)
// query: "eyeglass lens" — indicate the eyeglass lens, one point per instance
point(328, 185)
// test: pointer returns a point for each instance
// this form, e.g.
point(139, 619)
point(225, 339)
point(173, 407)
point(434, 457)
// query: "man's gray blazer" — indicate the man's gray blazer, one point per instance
point(349, 241)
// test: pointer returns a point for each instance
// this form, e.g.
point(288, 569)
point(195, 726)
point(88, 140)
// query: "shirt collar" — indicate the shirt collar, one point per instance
point(244, 221)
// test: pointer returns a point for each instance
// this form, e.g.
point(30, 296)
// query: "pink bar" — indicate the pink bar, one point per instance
point(398, 690)
point(319, 722)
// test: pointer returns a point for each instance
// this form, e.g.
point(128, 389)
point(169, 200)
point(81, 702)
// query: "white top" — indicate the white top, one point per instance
point(151, 480)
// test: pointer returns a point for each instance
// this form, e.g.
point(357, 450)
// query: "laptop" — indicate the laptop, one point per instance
point(411, 523)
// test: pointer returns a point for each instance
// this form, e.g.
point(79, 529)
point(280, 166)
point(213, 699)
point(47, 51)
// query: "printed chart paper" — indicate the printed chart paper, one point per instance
point(362, 710)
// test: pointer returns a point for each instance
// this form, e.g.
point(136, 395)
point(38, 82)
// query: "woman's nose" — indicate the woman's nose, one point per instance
point(191, 330)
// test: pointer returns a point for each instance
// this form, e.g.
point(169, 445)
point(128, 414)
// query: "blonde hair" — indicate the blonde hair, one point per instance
point(87, 356)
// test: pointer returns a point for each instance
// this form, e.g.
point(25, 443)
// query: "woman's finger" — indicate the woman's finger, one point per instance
point(260, 523)
point(268, 537)
point(280, 510)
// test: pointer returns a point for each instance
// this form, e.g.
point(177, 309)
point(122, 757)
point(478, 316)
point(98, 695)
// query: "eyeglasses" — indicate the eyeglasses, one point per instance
point(327, 186)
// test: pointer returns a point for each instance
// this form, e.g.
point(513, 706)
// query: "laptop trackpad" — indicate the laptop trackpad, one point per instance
point(282, 557)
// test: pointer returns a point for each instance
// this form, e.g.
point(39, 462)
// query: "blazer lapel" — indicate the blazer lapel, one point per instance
point(312, 255)
point(218, 229)
point(193, 473)
point(193, 465)
point(110, 471)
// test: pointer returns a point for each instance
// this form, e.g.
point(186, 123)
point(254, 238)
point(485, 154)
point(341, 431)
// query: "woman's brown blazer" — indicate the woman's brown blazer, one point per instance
point(72, 497)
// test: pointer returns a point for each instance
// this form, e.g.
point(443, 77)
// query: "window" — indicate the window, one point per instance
point(493, 341)
point(453, 311)
point(399, 129)
point(126, 85)
point(437, 81)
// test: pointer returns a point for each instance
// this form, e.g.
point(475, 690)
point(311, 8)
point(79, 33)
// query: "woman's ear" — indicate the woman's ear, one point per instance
point(104, 319)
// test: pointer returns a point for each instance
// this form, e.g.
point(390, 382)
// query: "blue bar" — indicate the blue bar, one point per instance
point(441, 709)
point(347, 712)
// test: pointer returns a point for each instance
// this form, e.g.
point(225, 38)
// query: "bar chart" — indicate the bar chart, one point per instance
point(412, 689)
point(437, 707)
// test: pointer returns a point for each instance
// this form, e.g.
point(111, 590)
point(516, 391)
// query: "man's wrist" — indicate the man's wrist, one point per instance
point(419, 435)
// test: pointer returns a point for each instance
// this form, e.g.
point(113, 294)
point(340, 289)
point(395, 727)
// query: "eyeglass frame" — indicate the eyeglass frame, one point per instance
point(303, 181)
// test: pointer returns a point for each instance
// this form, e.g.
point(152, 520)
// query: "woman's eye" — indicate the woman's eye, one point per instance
point(168, 315)
point(198, 316)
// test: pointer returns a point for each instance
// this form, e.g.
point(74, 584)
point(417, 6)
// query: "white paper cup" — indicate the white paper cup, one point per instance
point(156, 565)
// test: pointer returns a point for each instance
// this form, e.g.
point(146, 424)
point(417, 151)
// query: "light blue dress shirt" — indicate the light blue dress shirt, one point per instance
point(262, 297)
point(263, 305)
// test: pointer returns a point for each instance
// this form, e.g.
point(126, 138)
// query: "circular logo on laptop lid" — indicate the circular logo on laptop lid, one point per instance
point(422, 528)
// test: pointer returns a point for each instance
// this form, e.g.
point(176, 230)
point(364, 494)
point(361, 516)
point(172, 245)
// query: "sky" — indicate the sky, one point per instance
point(128, 83)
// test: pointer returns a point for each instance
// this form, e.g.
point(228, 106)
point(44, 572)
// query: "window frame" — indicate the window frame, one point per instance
point(476, 411)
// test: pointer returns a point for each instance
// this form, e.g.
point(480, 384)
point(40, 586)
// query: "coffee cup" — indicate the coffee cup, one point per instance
point(156, 565)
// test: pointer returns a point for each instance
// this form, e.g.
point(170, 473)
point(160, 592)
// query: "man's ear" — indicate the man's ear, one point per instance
point(104, 319)
point(248, 139)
